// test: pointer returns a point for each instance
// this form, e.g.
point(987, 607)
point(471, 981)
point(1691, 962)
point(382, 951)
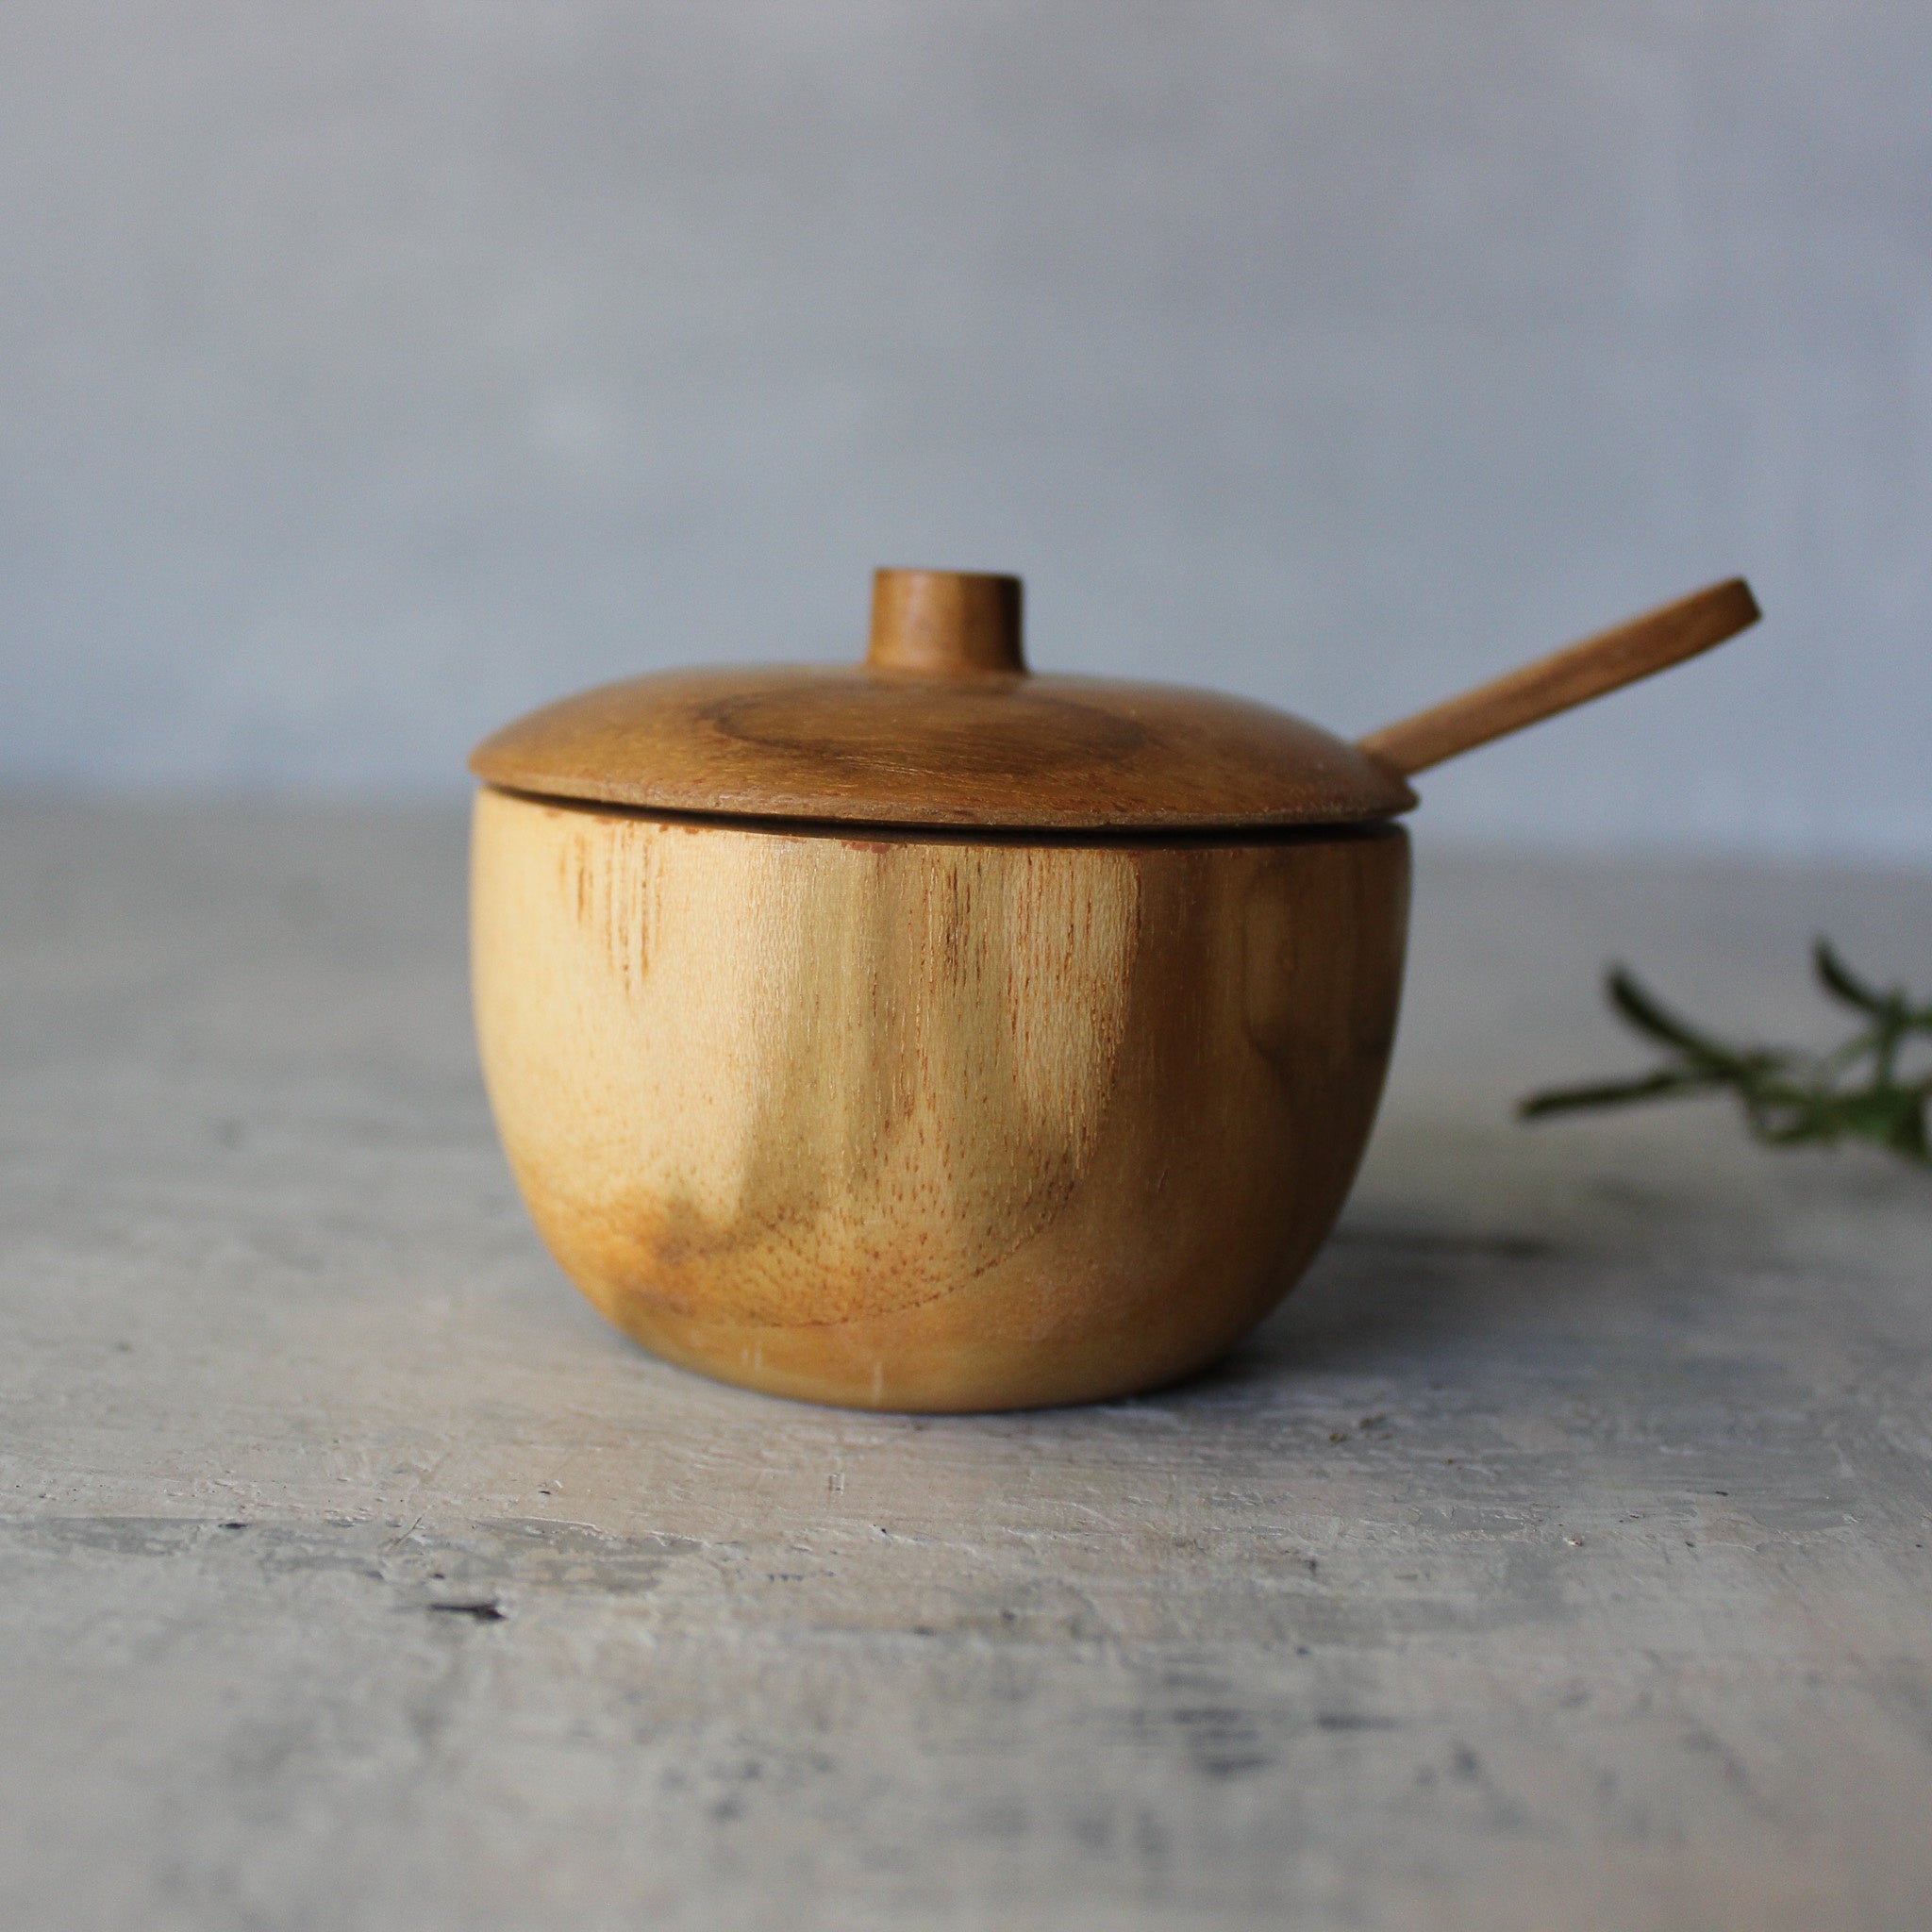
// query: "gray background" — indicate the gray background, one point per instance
point(375, 369)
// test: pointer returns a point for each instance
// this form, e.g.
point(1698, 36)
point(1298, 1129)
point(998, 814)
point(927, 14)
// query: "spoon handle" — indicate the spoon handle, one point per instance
point(1617, 657)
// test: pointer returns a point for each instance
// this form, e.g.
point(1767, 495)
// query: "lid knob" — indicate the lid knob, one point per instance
point(944, 623)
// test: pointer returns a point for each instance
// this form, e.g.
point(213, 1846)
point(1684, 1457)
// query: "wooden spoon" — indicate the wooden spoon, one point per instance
point(1617, 657)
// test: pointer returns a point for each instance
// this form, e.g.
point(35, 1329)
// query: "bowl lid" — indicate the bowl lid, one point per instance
point(943, 725)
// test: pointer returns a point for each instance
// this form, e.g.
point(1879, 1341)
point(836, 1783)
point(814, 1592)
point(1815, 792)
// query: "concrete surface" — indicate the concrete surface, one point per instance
point(1556, 1558)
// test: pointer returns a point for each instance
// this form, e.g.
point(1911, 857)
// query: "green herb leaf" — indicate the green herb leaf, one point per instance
point(1838, 978)
point(1789, 1098)
point(1666, 1080)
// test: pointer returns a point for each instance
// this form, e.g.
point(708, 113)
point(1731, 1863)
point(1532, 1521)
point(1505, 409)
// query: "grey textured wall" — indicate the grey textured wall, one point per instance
point(373, 369)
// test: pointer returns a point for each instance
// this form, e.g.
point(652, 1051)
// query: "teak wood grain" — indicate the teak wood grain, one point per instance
point(941, 725)
point(994, 751)
point(1637, 648)
point(901, 1113)
point(945, 622)
point(902, 1124)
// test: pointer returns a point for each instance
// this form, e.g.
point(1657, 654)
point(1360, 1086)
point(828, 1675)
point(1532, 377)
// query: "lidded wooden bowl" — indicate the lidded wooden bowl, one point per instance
point(930, 1035)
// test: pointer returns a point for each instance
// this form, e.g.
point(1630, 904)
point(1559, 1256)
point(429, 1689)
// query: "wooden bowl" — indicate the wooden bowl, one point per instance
point(914, 1124)
point(1046, 1090)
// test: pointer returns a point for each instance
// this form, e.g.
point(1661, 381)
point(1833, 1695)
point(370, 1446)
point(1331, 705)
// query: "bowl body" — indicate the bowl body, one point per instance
point(928, 1122)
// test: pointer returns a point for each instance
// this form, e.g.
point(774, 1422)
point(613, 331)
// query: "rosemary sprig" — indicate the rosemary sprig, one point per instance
point(1859, 1091)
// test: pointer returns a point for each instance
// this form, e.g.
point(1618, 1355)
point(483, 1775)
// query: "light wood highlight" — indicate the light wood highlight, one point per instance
point(944, 624)
point(1599, 664)
point(930, 1125)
